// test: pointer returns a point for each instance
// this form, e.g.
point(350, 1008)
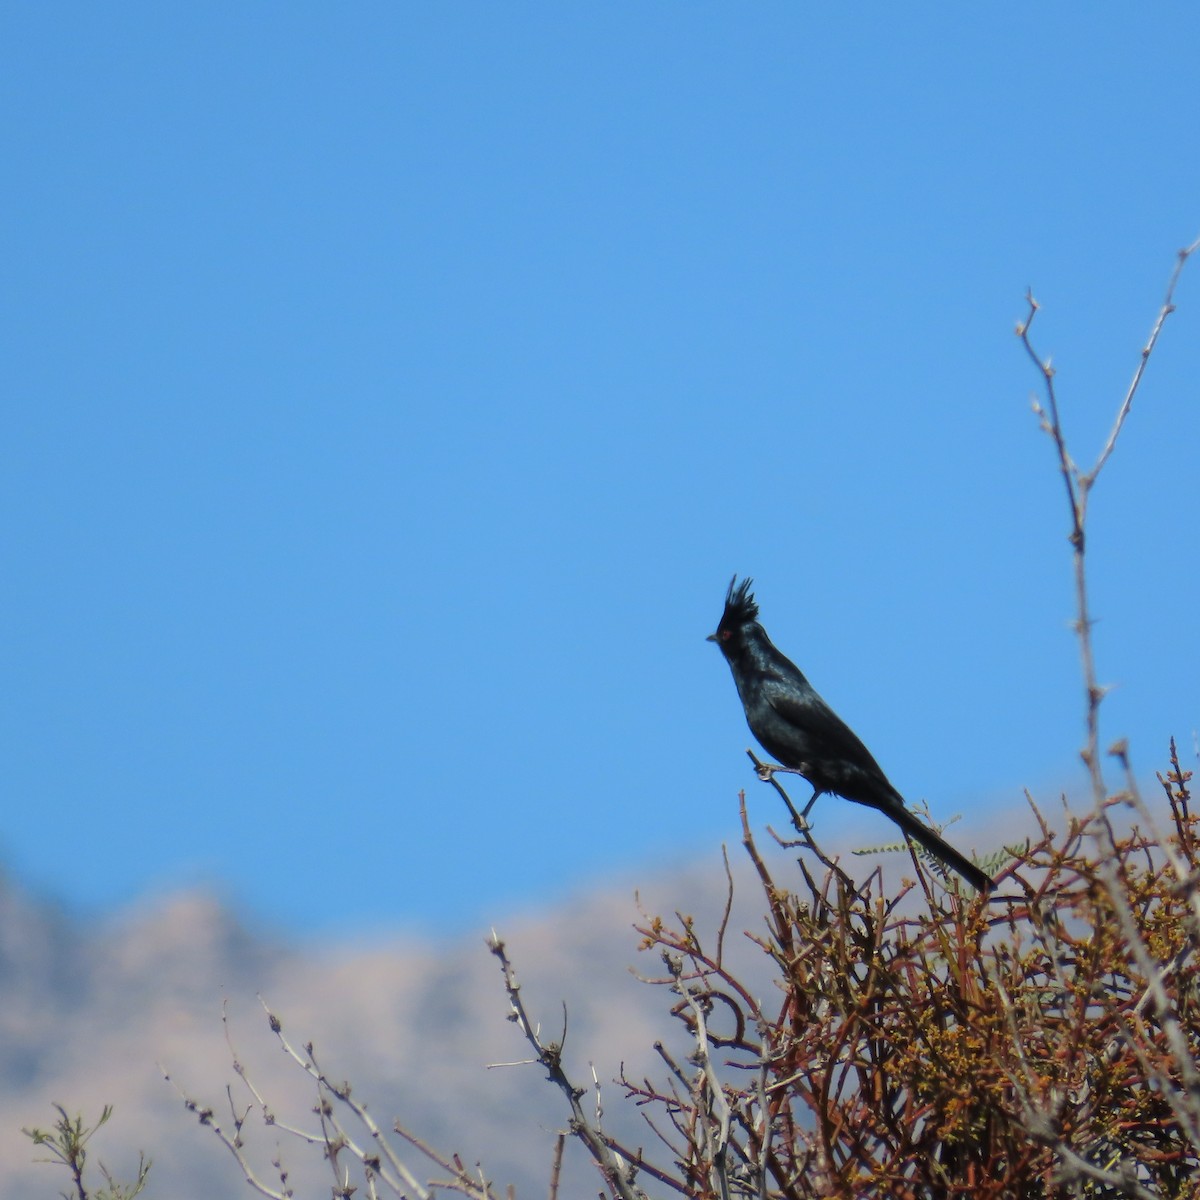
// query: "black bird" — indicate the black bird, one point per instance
point(805, 735)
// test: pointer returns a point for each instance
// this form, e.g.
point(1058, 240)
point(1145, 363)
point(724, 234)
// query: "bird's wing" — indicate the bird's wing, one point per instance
point(812, 716)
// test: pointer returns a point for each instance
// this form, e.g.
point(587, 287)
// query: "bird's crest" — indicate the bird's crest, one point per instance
point(740, 608)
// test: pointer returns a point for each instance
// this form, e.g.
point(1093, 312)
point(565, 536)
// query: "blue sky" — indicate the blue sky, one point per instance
point(391, 391)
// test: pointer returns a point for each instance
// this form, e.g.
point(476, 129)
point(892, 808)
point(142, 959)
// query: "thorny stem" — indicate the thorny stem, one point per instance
point(1079, 485)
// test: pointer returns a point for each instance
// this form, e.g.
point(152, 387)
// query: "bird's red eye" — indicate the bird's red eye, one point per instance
point(726, 634)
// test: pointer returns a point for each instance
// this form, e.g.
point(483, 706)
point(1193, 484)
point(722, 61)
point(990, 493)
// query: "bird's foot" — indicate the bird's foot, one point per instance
point(765, 770)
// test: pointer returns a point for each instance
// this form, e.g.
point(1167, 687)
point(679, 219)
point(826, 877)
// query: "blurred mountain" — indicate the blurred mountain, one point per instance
point(93, 1014)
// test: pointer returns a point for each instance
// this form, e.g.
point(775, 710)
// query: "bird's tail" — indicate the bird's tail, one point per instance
point(941, 849)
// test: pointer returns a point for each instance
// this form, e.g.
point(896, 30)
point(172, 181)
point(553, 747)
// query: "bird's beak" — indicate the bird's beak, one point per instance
point(712, 637)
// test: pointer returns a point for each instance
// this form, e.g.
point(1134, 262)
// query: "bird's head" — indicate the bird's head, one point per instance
point(740, 611)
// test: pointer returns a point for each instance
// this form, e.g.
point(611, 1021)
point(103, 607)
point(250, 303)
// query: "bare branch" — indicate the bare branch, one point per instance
point(616, 1174)
point(1078, 485)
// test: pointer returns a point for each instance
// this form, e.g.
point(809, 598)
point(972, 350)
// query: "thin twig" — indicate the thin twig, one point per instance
point(233, 1143)
point(1168, 307)
point(342, 1092)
